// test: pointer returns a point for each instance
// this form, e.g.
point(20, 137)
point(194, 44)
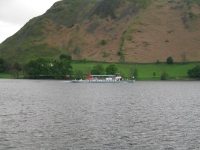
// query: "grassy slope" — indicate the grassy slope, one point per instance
point(162, 33)
point(144, 33)
point(156, 32)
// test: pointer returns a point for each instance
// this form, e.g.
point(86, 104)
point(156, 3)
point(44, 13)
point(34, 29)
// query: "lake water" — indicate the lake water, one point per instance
point(57, 115)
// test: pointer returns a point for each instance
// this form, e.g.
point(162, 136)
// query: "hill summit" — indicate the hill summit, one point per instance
point(142, 31)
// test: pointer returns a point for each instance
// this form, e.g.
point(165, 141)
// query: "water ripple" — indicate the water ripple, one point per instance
point(45, 114)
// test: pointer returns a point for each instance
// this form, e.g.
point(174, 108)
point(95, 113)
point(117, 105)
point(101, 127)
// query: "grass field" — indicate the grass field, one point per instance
point(145, 71)
point(5, 75)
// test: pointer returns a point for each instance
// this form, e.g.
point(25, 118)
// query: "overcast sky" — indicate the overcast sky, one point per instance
point(14, 14)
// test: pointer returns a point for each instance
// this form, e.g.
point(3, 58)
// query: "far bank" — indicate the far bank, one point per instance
point(176, 71)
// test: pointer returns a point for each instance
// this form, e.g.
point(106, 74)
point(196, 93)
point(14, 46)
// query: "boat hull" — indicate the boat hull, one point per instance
point(102, 81)
point(79, 81)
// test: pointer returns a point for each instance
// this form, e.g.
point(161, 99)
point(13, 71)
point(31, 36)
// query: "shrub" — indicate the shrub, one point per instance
point(145, 43)
point(64, 56)
point(103, 42)
point(119, 53)
point(192, 15)
point(194, 72)
point(129, 38)
point(154, 74)
point(85, 60)
point(105, 54)
point(170, 1)
point(170, 60)
point(164, 76)
point(71, 25)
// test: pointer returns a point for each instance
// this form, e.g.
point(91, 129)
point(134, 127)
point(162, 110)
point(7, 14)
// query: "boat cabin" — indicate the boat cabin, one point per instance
point(116, 77)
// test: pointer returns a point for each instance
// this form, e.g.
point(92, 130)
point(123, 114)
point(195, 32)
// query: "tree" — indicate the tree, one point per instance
point(7, 65)
point(41, 66)
point(1, 60)
point(64, 56)
point(164, 76)
point(62, 68)
point(135, 72)
point(2, 69)
point(48, 67)
point(25, 70)
point(79, 74)
point(194, 72)
point(170, 60)
point(33, 70)
point(16, 69)
point(111, 69)
point(45, 66)
point(131, 71)
point(97, 70)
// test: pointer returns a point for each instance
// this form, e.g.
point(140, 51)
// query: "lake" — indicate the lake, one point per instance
point(58, 115)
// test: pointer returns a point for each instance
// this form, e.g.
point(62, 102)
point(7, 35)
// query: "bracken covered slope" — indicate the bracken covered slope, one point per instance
point(141, 31)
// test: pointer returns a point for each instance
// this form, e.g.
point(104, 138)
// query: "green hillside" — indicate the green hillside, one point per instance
point(141, 31)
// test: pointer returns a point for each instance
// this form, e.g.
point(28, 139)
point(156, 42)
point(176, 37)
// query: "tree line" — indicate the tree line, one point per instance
point(40, 68)
point(49, 68)
point(62, 68)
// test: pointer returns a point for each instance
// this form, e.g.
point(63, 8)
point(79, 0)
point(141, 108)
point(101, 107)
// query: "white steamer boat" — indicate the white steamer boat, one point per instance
point(103, 79)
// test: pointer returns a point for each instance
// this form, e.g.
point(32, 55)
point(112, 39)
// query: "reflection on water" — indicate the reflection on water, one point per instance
point(45, 114)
